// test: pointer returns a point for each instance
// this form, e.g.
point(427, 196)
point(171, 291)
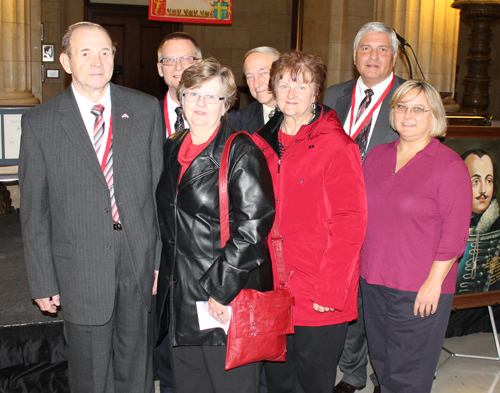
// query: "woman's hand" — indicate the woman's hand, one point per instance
point(319, 308)
point(427, 299)
point(218, 311)
point(429, 293)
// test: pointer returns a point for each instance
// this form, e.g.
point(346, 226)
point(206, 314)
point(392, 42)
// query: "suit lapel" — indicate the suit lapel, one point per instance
point(73, 125)
point(254, 119)
point(382, 126)
point(259, 117)
point(123, 118)
point(344, 103)
point(173, 144)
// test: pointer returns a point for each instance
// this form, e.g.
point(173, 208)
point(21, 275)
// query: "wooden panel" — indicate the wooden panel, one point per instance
point(137, 40)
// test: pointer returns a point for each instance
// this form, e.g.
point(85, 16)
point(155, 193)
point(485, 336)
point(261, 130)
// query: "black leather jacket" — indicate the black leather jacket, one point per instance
point(193, 266)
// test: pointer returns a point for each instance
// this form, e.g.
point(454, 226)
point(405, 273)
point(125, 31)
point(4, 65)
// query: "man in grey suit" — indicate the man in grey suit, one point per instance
point(362, 106)
point(256, 69)
point(89, 164)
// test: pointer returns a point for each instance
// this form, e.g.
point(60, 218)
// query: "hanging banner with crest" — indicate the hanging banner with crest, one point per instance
point(191, 11)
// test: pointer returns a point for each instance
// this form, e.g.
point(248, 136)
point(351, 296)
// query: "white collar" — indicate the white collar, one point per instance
point(378, 89)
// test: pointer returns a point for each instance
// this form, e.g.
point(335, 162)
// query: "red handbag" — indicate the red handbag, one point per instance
point(260, 321)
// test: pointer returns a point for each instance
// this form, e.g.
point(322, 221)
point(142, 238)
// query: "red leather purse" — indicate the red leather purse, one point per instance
point(260, 321)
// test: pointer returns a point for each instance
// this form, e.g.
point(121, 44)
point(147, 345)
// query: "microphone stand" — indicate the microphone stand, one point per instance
point(402, 44)
point(403, 49)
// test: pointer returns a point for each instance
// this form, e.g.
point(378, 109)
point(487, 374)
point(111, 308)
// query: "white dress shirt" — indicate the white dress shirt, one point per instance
point(85, 105)
point(378, 90)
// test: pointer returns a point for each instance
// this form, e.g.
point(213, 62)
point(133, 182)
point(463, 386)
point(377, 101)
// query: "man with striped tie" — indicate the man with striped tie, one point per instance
point(89, 164)
point(362, 106)
point(176, 52)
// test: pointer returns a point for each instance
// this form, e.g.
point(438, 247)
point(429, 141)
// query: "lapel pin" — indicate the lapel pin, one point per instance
point(125, 116)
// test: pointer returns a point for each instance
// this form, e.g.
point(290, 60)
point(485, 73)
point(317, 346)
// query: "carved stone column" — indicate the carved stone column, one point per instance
point(480, 16)
point(15, 69)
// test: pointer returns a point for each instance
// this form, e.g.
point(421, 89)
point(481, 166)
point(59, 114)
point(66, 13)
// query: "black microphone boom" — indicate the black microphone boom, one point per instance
point(402, 44)
point(402, 41)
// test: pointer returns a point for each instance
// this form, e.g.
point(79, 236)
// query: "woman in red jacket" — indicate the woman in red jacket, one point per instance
point(321, 213)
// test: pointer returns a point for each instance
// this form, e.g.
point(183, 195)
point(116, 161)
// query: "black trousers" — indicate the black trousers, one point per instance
point(354, 358)
point(311, 360)
point(163, 366)
point(404, 349)
point(116, 357)
point(200, 369)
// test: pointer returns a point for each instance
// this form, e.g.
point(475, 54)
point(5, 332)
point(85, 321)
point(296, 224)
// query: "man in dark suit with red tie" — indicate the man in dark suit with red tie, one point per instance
point(362, 106)
point(177, 52)
point(89, 164)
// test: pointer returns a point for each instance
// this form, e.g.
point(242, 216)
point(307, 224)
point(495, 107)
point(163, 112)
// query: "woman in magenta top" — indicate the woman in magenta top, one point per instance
point(419, 197)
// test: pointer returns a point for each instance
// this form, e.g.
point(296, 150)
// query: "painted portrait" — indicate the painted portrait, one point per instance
point(479, 266)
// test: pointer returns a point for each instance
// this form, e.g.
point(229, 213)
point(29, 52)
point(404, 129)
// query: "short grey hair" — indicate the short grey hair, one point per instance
point(377, 27)
point(266, 50)
point(66, 40)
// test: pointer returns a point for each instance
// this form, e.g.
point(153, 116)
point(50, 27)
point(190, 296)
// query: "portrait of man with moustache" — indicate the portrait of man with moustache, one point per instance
point(479, 267)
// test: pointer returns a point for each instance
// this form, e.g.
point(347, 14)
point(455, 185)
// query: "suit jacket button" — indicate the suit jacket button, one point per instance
point(108, 246)
point(106, 210)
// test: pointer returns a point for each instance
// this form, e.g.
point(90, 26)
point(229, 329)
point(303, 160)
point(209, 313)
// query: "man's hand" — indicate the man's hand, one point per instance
point(49, 304)
point(155, 283)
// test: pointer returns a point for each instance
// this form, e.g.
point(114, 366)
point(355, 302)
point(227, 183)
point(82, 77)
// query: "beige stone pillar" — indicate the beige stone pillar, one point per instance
point(15, 67)
point(431, 28)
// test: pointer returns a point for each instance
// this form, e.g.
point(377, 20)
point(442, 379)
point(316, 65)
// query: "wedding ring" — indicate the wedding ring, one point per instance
point(220, 313)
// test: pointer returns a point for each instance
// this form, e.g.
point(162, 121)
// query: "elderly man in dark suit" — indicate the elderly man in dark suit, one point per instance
point(362, 106)
point(256, 69)
point(90, 161)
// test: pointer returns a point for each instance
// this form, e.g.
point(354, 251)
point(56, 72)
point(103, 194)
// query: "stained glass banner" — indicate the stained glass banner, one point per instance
point(191, 11)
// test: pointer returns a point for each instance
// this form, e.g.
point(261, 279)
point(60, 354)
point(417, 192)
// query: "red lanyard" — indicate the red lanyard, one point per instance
point(108, 144)
point(377, 104)
point(165, 112)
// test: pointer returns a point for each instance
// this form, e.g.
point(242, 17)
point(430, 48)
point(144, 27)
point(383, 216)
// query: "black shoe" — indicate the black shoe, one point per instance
point(343, 387)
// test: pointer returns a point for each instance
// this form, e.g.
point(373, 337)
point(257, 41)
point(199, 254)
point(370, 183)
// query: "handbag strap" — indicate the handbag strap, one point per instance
point(276, 239)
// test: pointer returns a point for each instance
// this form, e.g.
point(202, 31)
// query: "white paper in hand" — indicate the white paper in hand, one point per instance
point(206, 321)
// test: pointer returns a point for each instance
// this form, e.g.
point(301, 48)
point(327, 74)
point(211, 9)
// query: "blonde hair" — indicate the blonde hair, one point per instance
point(438, 127)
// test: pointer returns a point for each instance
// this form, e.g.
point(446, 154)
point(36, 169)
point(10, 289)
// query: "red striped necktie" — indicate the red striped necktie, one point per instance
point(107, 169)
point(362, 138)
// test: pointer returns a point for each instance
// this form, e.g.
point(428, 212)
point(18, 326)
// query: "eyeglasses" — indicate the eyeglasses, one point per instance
point(191, 96)
point(415, 110)
point(185, 60)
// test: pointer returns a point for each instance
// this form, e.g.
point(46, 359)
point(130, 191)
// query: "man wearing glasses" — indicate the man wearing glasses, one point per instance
point(177, 52)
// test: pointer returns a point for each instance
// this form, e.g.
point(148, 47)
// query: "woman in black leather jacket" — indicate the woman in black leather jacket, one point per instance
point(194, 267)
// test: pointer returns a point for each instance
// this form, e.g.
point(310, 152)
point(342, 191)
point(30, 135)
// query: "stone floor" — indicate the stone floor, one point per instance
point(462, 375)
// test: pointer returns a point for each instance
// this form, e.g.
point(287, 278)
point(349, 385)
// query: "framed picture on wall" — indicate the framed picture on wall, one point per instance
point(48, 54)
point(478, 279)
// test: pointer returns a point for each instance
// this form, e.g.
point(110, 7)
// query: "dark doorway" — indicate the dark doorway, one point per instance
point(136, 39)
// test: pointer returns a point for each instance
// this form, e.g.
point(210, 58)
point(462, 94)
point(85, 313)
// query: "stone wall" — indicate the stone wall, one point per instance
point(255, 23)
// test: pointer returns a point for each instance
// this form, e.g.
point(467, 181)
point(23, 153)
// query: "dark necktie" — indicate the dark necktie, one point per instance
point(362, 137)
point(179, 123)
